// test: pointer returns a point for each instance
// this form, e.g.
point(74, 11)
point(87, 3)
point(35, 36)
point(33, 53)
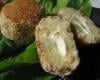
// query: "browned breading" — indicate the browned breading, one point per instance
point(18, 20)
point(19, 10)
point(56, 46)
point(83, 28)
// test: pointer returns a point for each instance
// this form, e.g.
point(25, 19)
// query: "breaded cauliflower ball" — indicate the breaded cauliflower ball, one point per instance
point(56, 46)
point(18, 20)
point(83, 28)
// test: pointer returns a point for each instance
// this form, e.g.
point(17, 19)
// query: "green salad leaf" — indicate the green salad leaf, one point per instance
point(3, 2)
point(28, 73)
point(81, 5)
point(28, 56)
point(53, 6)
point(47, 5)
point(6, 45)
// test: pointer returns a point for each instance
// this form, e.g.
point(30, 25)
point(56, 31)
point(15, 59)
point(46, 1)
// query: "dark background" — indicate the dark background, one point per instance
point(90, 55)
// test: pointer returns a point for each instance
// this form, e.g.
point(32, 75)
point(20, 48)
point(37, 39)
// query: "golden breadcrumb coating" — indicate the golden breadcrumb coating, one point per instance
point(18, 20)
point(56, 46)
point(22, 11)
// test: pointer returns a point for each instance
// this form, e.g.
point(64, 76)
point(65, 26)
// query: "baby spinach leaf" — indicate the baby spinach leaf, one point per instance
point(6, 45)
point(6, 75)
point(81, 5)
point(3, 2)
point(28, 56)
point(59, 5)
point(30, 72)
point(53, 6)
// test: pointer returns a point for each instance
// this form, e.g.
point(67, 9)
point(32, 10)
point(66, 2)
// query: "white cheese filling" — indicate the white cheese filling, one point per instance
point(83, 25)
point(61, 45)
point(59, 41)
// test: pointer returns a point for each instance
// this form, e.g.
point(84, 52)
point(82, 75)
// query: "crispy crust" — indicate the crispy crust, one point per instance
point(83, 28)
point(20, 11)
point(57, 64)
point(20, 33)
point(69, 13)
point(18, 20)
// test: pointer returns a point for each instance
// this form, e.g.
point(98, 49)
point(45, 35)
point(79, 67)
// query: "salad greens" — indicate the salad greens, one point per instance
point(53, 6)
point(12, 66)
point(81, 5)
point(6, 45)
point(28, 56)
point(25, 74)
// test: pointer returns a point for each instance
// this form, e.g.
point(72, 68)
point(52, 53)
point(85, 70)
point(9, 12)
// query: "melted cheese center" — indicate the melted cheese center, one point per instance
point(59, 41)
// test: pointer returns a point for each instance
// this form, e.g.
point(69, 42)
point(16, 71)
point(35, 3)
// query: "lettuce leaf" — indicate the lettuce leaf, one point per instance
point(81, 5)
point(27, 73)
point(28, 56)
point(53, 6)
point(6, 46)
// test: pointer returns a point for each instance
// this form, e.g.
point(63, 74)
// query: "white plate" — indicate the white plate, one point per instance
point(95, 3)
